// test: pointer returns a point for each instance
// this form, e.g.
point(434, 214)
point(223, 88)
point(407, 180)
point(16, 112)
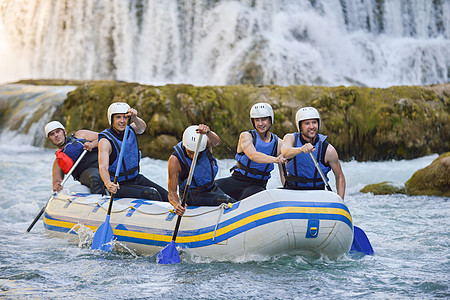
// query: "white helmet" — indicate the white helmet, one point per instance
point(306, 113)
point(190, 139)
point(261, 110)
point(117, 108)
point(52, 126)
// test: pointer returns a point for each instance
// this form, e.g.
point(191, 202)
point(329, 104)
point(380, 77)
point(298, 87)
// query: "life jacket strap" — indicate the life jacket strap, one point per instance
point(249, 170)
point(295, 187)
point(303, 179)
point(125, 173)
point(199, 189)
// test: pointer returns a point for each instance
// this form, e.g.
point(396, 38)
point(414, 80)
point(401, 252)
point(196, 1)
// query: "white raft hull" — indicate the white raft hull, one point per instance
point(272, 222)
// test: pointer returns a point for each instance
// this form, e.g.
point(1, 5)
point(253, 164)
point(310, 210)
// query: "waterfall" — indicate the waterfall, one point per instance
point(24, 111)
point(374, 43)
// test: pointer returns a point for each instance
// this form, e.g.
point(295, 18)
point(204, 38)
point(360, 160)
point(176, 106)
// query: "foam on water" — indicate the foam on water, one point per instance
point(409, 235)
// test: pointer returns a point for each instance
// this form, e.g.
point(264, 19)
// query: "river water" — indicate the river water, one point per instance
point(410, 236)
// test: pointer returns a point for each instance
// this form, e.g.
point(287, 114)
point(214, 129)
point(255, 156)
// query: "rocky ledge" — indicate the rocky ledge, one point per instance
point(401, 122)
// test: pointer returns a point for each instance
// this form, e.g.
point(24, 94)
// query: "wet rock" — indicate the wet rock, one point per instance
point(433, 180)
point(383, 188)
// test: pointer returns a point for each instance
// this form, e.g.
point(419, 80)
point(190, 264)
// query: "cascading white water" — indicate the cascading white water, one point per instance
point(338, 42)
point(24, 111)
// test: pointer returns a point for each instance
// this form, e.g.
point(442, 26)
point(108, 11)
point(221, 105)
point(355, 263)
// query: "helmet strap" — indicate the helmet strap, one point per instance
point(118, 133)
point(268, 130)
point(305, 140)
point(314, 139)
point(65, 141)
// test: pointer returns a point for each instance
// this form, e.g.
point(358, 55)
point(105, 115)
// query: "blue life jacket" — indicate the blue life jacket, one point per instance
point(205, 170)
point(254, 170)
point(130, 163)
point(69, 154)
point(301, 171)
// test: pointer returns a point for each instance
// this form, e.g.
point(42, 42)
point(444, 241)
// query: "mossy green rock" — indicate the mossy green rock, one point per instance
point(433, 180)
point(362, 123)
point(383, 188)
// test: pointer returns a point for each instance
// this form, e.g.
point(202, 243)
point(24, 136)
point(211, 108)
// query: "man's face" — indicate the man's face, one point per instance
point(262, 124)
point(309, 128)
point(119, 122)
point(57, 137)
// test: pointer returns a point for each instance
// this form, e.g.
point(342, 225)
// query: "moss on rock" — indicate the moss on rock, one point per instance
point(433, 180)
point(401, 122)
point(383, 188)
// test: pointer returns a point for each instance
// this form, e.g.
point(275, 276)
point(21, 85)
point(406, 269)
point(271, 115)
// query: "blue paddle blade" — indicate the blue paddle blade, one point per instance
point(361, 242)
point(168, 255)
point(103, 237)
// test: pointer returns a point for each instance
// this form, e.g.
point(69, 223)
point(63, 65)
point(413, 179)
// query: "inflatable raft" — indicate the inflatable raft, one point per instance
point(272, 222)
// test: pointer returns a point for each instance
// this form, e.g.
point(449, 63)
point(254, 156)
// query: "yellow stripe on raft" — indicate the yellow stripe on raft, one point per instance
point(262, 215)
point(219, 232)
point(65, 224)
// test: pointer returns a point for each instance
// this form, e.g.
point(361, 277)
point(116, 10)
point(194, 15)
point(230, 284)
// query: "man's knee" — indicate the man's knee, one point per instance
point(151, 194)
point(96, 183)
point(223, 198)
point(251, 191)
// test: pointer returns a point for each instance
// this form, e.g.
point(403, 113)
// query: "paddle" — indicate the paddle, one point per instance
point(103, 236)
point(360, 241)
point(62, 185)
point(170, 255)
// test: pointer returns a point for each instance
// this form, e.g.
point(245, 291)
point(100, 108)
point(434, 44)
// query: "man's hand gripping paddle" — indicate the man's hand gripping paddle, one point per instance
point(170, 255)
point(103, 237)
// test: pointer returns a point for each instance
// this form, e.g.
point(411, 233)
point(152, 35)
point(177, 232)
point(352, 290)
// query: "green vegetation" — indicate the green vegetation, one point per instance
point(383, 188)
point(401, 122)
point(432, 180)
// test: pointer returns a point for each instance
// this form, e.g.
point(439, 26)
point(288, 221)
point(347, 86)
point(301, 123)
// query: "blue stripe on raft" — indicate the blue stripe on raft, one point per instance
point(59, 229)
point(239, 230)
point(231, 233)
point(264, 221)
point(269, 207)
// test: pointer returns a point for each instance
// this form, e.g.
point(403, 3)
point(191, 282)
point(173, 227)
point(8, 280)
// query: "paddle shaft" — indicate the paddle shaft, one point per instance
point(104, 235)
point(62, 184)
point(119, 165)
point(320, 172)
point(188, 184)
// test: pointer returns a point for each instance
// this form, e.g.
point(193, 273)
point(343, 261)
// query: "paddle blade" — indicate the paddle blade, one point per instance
point(168, 255)
point(103, 237)
point(361, 242)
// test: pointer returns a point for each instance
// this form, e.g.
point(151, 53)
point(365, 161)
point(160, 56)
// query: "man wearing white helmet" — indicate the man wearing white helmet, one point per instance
point(70, 149)
point(257, 151)
point(203, 191)
point(302, 173)
point(130, 183)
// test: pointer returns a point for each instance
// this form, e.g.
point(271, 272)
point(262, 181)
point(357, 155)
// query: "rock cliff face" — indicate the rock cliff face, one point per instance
point(362, 123)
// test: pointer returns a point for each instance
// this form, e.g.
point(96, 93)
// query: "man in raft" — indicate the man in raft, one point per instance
point(301, 170)
point(257, 151)
point(203, 191)
point(130, 183)
point(70, 149)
